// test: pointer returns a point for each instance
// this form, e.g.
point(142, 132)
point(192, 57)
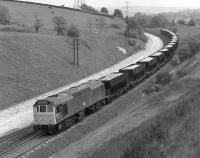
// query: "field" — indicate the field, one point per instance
point(183, 30)
point(34, 63)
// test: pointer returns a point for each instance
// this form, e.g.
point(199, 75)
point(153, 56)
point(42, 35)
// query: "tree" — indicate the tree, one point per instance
point(73, 32)
point(37, 24)
point(173, 23)
point(181, 22)
point(4, 15)
point(101, 23)
point(191, 23)
point(90, 23)
point(87, 8)
point(59, 24)
point(159, 21)
point(132, 25)
point(118, 13)
point(140, 19)
point(131, 29)
point(104, 10)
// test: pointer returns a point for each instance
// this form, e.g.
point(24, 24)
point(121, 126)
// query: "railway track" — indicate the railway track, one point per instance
point(16, 140)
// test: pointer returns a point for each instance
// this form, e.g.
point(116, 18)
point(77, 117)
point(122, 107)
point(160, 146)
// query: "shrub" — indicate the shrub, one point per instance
point(181, 73)
point(143, 38)
point(130, 34)
point(191, 23)
point(59, 24)
point(115, 26)
point(163, 78)
point(131, 42)
point(151, 89)
point(4, 15)
point(184, 52)
point(181, 22)
point(174, 30)
point(37, 24)
point(73, 31)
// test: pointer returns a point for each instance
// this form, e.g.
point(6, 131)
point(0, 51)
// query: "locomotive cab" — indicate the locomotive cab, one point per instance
point(43, 113)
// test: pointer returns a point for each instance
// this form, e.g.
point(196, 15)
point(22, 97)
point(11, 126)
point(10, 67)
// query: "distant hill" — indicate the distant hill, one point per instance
point(147, 10)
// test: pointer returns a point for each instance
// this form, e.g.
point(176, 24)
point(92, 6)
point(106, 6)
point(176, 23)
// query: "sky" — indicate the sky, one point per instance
point(113, 3)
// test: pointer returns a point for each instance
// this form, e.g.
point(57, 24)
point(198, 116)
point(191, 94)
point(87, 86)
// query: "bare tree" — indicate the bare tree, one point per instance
point(101, 24)
point(90, 24)
point(4, 15)
point(60, 24)
point(37, 24)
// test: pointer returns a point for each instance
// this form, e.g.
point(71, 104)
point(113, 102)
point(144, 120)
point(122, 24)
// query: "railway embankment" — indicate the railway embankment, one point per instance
point(165, 125)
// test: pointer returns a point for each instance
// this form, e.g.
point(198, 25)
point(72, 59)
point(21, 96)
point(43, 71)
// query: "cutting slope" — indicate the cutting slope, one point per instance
point(31, 64)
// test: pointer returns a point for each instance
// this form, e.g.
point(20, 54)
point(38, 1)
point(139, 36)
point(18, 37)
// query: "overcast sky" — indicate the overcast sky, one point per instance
point(113, 3)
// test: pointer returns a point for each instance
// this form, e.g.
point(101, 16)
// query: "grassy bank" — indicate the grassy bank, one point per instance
point(174, 132)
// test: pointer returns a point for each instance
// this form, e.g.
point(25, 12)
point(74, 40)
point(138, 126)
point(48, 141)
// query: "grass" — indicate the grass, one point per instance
point(34, 63)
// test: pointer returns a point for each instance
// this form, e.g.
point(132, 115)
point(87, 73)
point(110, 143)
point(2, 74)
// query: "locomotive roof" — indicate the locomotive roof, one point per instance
point(94, 83)
point(156, 54)
point(56, 99)
point(147, 59)
point(131, 67)
point(76, 89)
point(111, 76)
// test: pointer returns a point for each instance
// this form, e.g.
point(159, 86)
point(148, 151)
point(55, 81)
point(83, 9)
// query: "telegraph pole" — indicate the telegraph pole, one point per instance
point(77, 42)
point(127, 7)
point(74, 47)
point(127, 13)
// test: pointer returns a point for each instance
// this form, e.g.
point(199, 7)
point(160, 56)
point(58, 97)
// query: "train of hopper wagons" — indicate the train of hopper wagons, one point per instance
point(60, 111)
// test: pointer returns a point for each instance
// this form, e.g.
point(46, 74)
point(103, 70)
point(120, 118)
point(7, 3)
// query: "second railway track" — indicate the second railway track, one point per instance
point(15, 140)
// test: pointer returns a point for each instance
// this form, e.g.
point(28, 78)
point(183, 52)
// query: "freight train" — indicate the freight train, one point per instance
point(65, 108)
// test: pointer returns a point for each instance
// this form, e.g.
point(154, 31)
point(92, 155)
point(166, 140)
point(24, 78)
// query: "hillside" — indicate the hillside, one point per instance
point(162, 124)
point(34, 63)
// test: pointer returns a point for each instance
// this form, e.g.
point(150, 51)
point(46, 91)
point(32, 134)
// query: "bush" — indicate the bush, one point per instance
point(163, 78)
point(184, 52)
point(191, 23)
point(115, 26)
point(4, 15)
point(73, 31)
point(130, 34)
point(143, 38)
point(131, 42)
point(151, 89)
point(14, 29)
point(181, 22)
point(174, 30)
point(59, 24)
